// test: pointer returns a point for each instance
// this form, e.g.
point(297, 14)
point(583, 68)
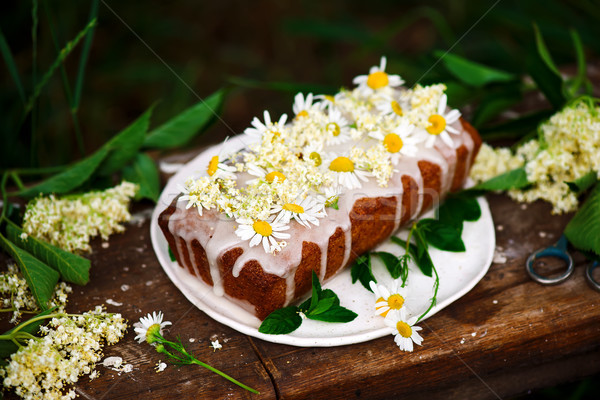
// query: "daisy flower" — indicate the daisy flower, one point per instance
point(405, 332)
point(440, 124)
point(328, 101)
point(388, 105)
point(218, 169)
point(302, 105)
point(304, 211)
point(337, 129)
point(388, 299)
point(149, 326)
point(314, 152)
point(331, 197)
point(259, 128)
point(347, 172)
point(377, 79)
point(269, 175)
point(201, 193)
point(400, 141)
point(264, 232)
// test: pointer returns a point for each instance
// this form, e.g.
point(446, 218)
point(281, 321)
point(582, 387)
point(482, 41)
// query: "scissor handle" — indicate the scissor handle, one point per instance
point(588, 275)
point(558, 251)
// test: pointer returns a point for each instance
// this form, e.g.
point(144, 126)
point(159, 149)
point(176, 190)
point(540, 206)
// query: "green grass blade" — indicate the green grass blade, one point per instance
point(543, 50)
point(581, 67)
point(59, 60)
point(9, 60)
point(85, 52)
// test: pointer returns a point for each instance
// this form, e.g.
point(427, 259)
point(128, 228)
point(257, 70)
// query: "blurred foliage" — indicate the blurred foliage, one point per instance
point(178, 51)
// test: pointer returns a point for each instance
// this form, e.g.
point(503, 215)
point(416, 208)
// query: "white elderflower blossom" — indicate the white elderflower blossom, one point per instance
point(71, 222)
point(16, 297)
point(71, 347)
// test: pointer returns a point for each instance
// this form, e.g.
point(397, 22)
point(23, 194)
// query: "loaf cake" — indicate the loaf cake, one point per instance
point(315, 193)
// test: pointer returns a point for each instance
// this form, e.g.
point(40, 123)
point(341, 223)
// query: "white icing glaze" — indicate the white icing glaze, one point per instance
point(216, 233)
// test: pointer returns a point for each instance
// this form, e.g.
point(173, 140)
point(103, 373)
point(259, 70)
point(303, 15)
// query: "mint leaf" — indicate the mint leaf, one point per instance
point(70, 178)
point(584, 183)
point(472, 73)
point(183, 127)
point(444, 237)
point(514, 179)
point(361, 271)
point(457, 209)
point(322, 306)
point(143, 171)
point(281, 322)
point(583, 231)
point(335, 314)
point(7, 347)
point(72, 268)
point(391, 262)
point(125, 145)
point(316, 289)
point(40, 278)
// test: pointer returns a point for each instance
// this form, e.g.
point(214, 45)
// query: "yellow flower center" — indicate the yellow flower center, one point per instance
point(377, 80)
point(438, 124)
point(295, 208)
point(316, 157)
point(333, 128)
point(275, 175)
point(152, 332)
point(302, 113)
point(395, 301)
point(212, 165)
point(342, 164)
point(397, 108)
point(262, 228)
point(392, 143)
point(330, 98)
point(404, 329)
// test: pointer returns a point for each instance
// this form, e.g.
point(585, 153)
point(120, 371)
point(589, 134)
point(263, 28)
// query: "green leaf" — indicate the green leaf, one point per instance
point(545, 74)
point(143, 171)
point(391, 262)
point(584, 183)
point(583, 231)
point(72, 268)
point(40, 278)
point(514, 179)
point(361, 271)
point(423, 262)
point(69, 47)
point(335, 314)
point(70, 178)
point(125, 145)
point(171, 255)
point(494, 103)
point(11, 66)
point(459, 208)
point(473, 73)
point(85, 51)
point(183, 127)
point(316, 289)
point(281, 322)
point(322, 306)
point(444, 237)
point(7, 347)
point(581, 76)
point(515, 128)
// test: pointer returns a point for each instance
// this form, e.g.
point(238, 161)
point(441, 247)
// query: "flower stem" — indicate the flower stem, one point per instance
point(436, 286)
point(224, 375)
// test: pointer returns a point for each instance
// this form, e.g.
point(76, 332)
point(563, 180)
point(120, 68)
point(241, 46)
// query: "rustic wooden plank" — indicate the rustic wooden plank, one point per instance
point(506, 336)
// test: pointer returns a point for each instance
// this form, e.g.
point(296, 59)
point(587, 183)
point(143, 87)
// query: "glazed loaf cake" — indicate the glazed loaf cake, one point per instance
point(210, 245)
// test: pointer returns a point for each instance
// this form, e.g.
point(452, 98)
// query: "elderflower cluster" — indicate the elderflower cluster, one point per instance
point(333, 144)
point(70, 347)
point(71, 222)
point(16, 297)
point(568, 149)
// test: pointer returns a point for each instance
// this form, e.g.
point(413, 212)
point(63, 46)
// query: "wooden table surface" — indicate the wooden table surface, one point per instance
point(505, 337)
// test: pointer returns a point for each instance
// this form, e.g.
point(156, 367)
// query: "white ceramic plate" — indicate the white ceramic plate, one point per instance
point(458, 272)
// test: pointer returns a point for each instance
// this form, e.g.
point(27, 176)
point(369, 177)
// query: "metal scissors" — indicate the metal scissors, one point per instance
point(559, 250)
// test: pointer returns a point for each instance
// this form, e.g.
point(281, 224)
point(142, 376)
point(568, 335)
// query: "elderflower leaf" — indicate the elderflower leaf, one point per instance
point(583, 231)
point(444, 237)
point(69, 179)
point(184, 126)
point(361, 271)
point(281, 322)
point(473, 73)
point(584, 183)
point(72, 268)
point(40, 278)
point(143, 172)
point(7, 347)
point(125, 145)
point(514, 179)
